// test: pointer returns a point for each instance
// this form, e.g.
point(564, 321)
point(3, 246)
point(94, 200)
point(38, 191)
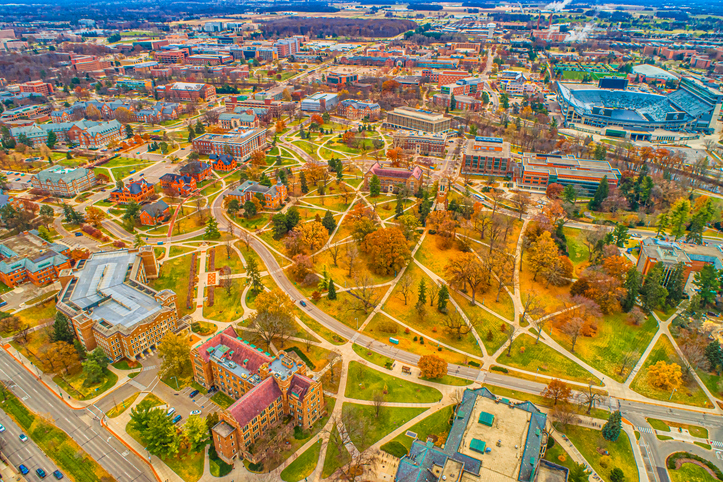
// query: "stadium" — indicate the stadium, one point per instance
point(637, 115)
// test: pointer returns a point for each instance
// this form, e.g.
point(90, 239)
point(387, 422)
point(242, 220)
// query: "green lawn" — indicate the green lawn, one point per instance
point(292, 444)
point(337, 455)
point(226, 308)
point(437, 424)
point(37, 315)
point(187, 464)
point(449, 380)
point(122, 406)
point(222, 400)
point(543, 359)
point(615, 337)
point(64, 451)
point(169, 279)
point(690, 473)
point(389, 420)
point(303, 466)
point(587, 442)
point(368, 381)
point(319, 329)
point(694, 430)
point(488, 326)
point(373, 357)
point(687, 395)
point(178, 250)
point(558, 455)
point(75, 387)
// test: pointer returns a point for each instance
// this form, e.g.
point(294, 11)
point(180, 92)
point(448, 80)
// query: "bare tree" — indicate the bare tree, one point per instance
point(352, 256)
point(573, 328)
point(589, 399)
point(334, 250)
point(511, 330)
point(592, 238)
point(22, 335)
point(358, 430)
point(378, 400)
point(433, 292)
point(364, 293)
point(522, 203)
point(406, 286)
point(229, 249)
point(454, 323)
point(245, 236)
point(628, 360)
point(563, 415)
point(270, 327)
point(531, 306)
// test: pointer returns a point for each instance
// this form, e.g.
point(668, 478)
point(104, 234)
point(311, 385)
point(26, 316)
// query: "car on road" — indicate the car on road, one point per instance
point(23, 437)
point(196, 412)
point(635, 235)
point(58, 474)
point(2, 428)
point(193, 394)
point(176, 419)
point(41, 473)
point(23, 470)
point(302, 303)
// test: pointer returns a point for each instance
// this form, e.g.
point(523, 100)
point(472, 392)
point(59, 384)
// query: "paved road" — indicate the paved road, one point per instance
point(26, 453)
point(82, 425)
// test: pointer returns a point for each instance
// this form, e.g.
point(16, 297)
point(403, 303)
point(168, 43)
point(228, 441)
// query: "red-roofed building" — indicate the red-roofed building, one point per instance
point(392, 178)
point(267, 389)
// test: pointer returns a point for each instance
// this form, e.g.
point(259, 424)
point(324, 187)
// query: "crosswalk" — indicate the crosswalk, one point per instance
point(149, 367)
point(716, 444)
point(644, 430)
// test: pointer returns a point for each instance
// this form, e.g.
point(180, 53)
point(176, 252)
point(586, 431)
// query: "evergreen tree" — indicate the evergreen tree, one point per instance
point(653, 292)
point(129, 131)
point(611, 429)
point(442, 298)
point(292, 218)
point(80, 349)
point(633, 283)
point(375, 186)
point(253, 277)
point(714, 354)
point(332, 290)
point(200, 129)
point(52, 139)
point(600, 194)
point(304, 186)
point(279, 225)
point(328, 222)
point(399, 211)
point(422, 292)
point(676, 285)
point(708, 283)
point(212, 231)
point(61, 328)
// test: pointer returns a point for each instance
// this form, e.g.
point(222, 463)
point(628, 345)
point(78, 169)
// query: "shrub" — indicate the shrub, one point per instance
point(415, 338)
point(474, 364)
point(406, 331)
point(395, 448)
point(256, 467)
point(388, 326)
point(501, 370)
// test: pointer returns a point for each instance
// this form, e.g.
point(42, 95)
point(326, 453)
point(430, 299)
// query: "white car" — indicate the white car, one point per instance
point(196, 412)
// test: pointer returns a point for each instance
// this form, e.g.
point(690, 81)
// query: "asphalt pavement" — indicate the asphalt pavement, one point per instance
point(83, 426)
point(19, 452)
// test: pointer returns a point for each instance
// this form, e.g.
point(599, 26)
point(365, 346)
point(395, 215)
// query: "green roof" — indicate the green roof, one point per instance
point(486, 418)
point(478, 445)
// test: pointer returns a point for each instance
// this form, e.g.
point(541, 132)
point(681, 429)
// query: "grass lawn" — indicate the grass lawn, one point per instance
point(123, 172)
point(436, 424)
point(368, 381)
point(449, 380)
point(170, 279)
point(64, 451)
point(371, 356)
point(528, 356)
point(539, 400)
point(340, 272)
point(226, 308)
point(203, 328)
point(124, 365)
point(587, 442)
point(379, 328)
point(179, 250)
point(687, 395)
point(222, 400)
point(665, 426)
point(187, 464)
point(252, 223)
point(337, 455)
point(74, 384)
point(316, 355)
point(488, 327)
point(712, 381)
point(334, 203)
point(615, 337)
point(389, 420)
point(38, 315)
point(339, 308)
point(550, 296)
point(303, 466)
point(319, 329)
point(123, 161)
point(122, 406)
point(431, 325)
point(577, 251)
point(558, 455)
point(690, 473)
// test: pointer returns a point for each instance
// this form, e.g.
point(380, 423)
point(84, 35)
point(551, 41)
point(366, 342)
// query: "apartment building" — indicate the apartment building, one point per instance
point(267, 390)
point(417, 120)
point(155, 213)
point(82, 133)
point(287, 47)
point(175, 56)
point(356, 109)
point(133, 191)
point(63, 181)
point(537, 171)
point(187, 91)
point(26, 112)
point(274, 195)
point(28, 257)
point(37, 87)
point(240, 143)
point(110, 305)
point(319, 102)
point(393, 178)
point(489, 156)
point(421, 143)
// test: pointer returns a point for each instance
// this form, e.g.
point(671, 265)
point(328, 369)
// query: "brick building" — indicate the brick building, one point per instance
point(267, 390)
point(457, 102)
point(64, 181)
point(489, 156)
point(240, 143)
point(182, 185)
point(274, 195)
point(246, 118)
point(393, 178)
point(110, 305)
point(175, 56)
point(155, 213)
point(133, 191)
point(37, 87)
point(356, 109)
point(223, 162)
point(83, 133)
point(198, 170)
point(187, 91)
point(692, 256)
point(28, 257)
point(537, 171)
point(421, 143)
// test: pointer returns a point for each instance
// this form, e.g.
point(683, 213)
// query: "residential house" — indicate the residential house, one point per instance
point(198, 170)
point(155, 213)
point(133, 191)
point(223, 162)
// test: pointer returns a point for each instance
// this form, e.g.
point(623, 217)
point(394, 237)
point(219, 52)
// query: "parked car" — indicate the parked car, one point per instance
point(176, 419)
point(23, 437)
point(193, 393)
point(23, 470)
point(196, 412)
point(170, 411)
point(41, 473)
point(58, 474)
point(2, 428)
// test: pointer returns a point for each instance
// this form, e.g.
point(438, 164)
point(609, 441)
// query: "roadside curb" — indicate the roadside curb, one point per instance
point(107, 427)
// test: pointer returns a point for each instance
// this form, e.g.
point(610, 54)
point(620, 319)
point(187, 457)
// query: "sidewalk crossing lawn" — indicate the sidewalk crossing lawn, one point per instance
point(437, 424)
point(690, 394)
point(368, 381)
point(488, 326)
point(390, 419)
point(529, 356)
point(303, 466)
point(588, 440)
point(691, 473)
point(558, 455)
point(290, 444)
point(187, 464)
point(614, 338)
point(337, 455)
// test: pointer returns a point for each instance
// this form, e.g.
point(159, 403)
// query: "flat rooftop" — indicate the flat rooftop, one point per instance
point(28, 246)
point(102, 292)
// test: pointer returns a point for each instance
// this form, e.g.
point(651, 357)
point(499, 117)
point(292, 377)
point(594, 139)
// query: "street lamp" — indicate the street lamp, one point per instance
point(671, 394)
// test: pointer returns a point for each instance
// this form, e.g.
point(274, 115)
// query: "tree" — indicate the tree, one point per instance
point(329, 222)
point(611, 429)
point(65, 354)
point(432, 367)
point(129, 131)
point(554, 190)
point(250, 209)
point(678, 217)
point(573, 328)
point(331, 290)
point(212, 231)
point(620, 235)
point(175, 354)
point(52, 139)
point(93, 367)
point(422, 296)
point(253, 277)
point(94, 216)
point(405, 285)
point(569, 194)
point(602, 191)
point(408, 223)
point(443, 299)
point(196, 432)
point(160, 436)
point(542, 254)
point(617, 475)
point(653, 293)
point(61, 328)
point(557, 391)
point(665, 376)
point(375, 186)
point(578, 473)
point(378, 401)
point(633, 283)
point(312, 236)
point(390, 248)
point(708, 283)
point(589, 398)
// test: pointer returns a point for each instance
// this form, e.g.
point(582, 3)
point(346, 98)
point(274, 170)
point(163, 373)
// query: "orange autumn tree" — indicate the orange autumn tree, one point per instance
point(390, 249)
point(432, 366)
